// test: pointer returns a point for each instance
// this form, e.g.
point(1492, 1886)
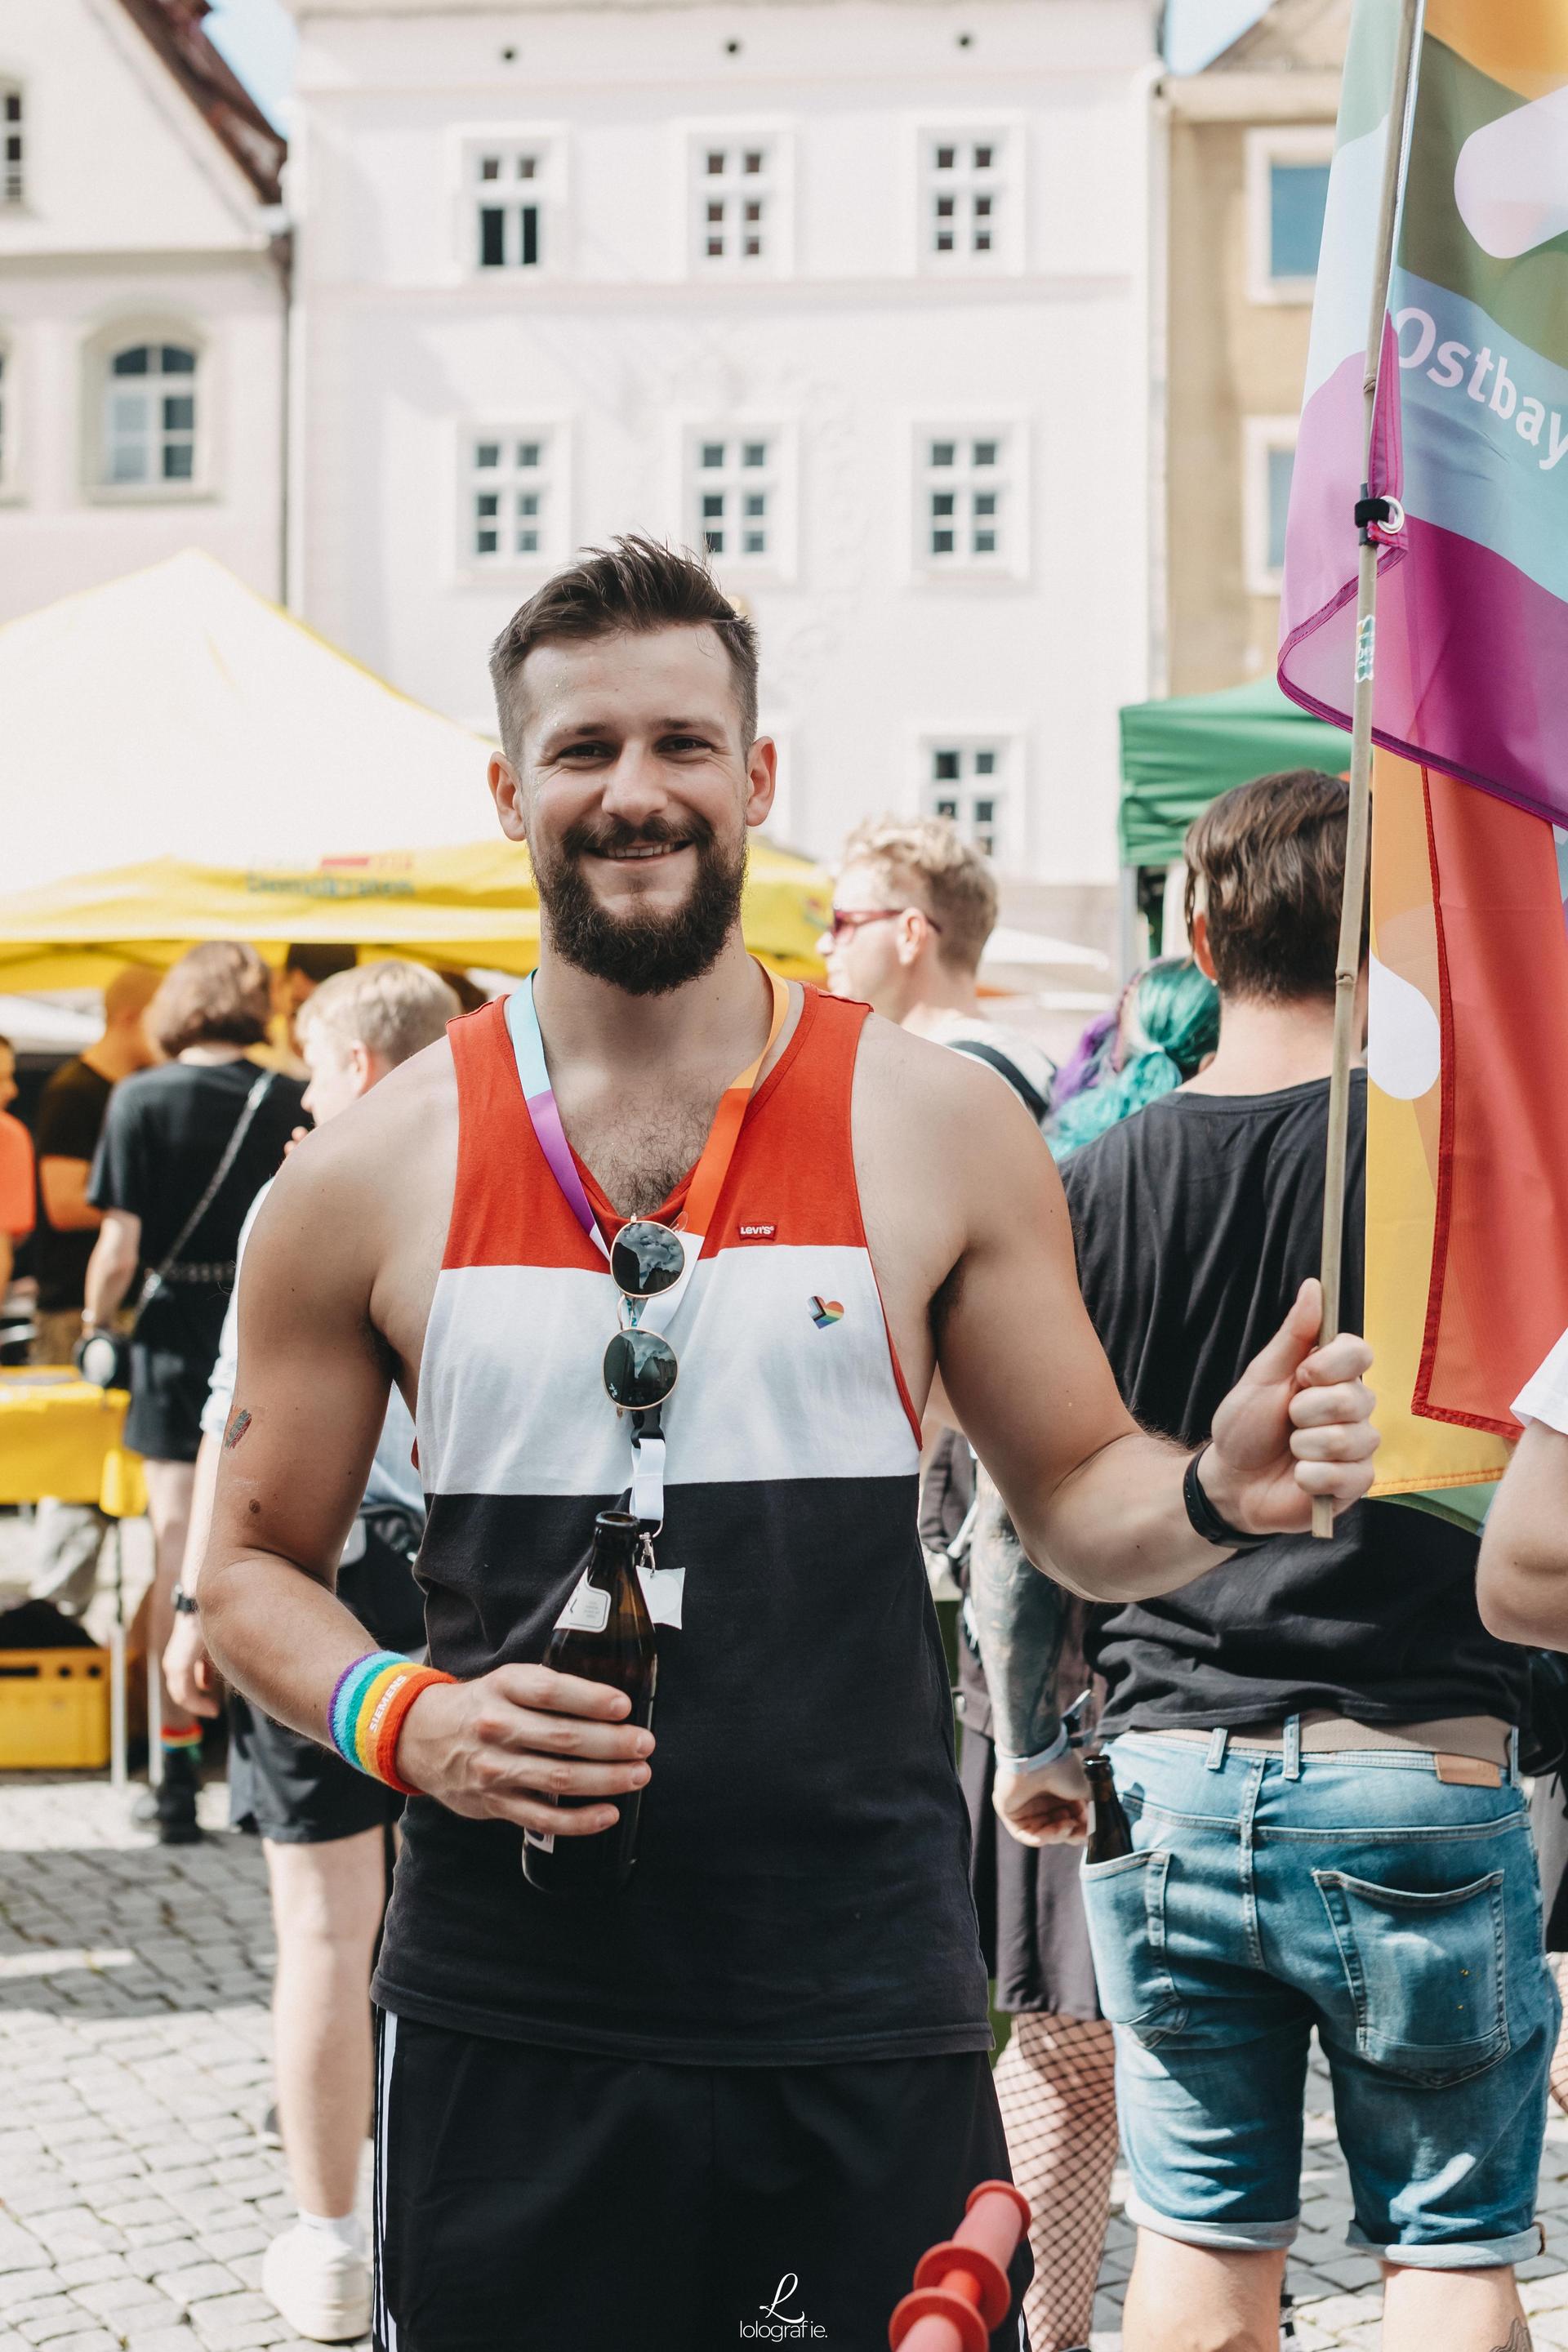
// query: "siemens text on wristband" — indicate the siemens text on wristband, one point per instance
point(367, 1708)
point(1205, 1520)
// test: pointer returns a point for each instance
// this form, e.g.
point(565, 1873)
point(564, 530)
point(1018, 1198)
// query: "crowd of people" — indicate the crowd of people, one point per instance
point(1079, 1411)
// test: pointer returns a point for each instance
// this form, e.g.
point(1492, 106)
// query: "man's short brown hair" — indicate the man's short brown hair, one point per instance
point(627, 589)
point(1266, 864)
point(217, 994)
point(927, 861)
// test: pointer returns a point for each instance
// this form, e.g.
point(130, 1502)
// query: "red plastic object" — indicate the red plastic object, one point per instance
point(961, 2292)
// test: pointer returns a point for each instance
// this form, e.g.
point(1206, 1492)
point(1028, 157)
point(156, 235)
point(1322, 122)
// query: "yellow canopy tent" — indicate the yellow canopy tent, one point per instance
point(468, 906)
point(176, 711)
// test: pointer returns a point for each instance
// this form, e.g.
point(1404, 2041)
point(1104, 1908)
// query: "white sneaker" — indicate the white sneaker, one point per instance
point(320, 2287)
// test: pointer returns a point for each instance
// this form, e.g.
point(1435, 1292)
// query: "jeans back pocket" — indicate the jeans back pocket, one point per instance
point(1425, 1973)
point(1125, 1903)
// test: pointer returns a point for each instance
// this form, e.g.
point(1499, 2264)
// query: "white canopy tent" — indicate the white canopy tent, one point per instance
point(176, 713)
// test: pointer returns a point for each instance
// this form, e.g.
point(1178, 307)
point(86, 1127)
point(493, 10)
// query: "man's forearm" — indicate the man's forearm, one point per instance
point(1019, 1617)
point(279, 1636)
point(109, 1277)
point(1116, 1529)
point(203, 1489)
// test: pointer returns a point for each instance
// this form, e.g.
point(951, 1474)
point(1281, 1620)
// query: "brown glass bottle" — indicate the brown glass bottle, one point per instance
point(607, 1636)
point(1110, 1832)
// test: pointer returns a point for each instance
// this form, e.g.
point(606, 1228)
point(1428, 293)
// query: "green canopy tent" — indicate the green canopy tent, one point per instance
point(1177, 755)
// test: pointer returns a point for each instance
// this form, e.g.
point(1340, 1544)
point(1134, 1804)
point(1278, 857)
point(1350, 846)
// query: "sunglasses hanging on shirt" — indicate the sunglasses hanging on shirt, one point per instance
point(648, 1259)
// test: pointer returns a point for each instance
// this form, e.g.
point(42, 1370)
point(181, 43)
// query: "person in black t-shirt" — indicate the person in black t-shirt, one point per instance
point(67, 1537)
point(1314, 1742)
point(71, 1110)
point(193, 1141)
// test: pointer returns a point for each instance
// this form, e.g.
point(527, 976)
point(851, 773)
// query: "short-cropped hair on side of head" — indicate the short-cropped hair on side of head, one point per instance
point(1266, 864)
point(628, 589)
point(217, 994)
point(391, 1008)
point(925, 861)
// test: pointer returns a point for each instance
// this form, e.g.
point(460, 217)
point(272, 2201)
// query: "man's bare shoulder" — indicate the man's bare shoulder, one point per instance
point(952, 1100)
point(379, 1165)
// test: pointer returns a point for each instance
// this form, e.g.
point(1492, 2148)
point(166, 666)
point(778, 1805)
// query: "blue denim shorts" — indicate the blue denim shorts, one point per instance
point(1398, 1913)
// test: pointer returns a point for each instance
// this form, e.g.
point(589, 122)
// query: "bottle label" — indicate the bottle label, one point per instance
point(588, 1610)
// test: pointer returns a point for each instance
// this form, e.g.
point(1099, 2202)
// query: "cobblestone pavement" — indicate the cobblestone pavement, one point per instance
point(135, 2193)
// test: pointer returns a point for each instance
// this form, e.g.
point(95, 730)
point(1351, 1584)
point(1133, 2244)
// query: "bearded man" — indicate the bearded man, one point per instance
point(737, 2099)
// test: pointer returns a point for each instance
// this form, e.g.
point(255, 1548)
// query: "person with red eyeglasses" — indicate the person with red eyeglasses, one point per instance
point(913, 909)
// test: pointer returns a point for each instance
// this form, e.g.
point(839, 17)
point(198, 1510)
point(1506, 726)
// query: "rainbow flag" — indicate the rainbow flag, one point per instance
point(1471, 422)
point(1467, 1182)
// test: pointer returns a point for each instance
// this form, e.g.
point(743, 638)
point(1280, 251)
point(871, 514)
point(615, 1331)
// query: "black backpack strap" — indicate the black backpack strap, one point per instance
point(1034, 1102)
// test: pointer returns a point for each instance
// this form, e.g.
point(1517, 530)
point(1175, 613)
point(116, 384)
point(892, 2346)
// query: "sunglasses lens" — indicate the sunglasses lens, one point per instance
point(646, 1259)
point(639, 1369)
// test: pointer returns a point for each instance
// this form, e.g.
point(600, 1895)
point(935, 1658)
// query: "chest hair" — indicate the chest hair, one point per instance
point(640, 1151)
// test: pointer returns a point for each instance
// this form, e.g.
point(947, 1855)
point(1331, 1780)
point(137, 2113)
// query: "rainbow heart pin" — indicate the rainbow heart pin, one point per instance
point(824, 1311)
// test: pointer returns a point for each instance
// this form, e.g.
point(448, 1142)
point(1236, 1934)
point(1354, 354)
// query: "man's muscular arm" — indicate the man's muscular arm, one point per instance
point(310, 1400)
point(1087, 1489)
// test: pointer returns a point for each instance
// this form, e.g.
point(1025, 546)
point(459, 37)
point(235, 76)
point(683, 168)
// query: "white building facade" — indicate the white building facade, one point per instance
point(851, 293)
point(142, 302)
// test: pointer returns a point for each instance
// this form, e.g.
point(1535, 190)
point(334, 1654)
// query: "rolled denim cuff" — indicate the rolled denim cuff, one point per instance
point(1051, 1755)
point(1224, 2237)
point(1470, 2254)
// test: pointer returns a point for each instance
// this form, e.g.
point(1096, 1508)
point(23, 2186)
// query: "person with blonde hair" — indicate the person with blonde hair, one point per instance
point(184, 1149)
point(913, 907)
point(322, 1825)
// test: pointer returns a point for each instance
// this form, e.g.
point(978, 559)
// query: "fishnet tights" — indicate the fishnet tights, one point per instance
point(1055, 2088)
point(1558, 2078)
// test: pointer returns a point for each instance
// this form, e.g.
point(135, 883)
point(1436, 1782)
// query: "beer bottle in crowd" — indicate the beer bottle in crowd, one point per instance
point(605, 1636)
point(1109, 1833)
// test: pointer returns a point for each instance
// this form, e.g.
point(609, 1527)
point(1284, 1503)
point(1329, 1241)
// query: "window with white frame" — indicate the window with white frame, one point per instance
point(1287, 194)
point(13, 157)
point(734, 495)
point(963, 194)
point(1268, 445)
point(150, 416)
point(735, 225)
point(966, 783)
point(962, 521)
point(514, 498)
point(511, 184)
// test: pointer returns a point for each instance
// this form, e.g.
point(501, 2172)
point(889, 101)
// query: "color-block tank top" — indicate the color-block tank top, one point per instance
point(801, 1892)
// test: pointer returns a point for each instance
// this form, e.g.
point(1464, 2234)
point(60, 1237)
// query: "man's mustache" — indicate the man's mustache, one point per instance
point(608, 840)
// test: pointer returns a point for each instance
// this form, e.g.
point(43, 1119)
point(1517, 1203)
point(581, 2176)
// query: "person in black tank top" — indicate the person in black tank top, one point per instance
point(1313, 1709)
point(745, 2092)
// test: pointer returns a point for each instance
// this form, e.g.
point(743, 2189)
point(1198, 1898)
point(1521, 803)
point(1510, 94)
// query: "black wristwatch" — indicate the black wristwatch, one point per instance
point(186, 1603)
point(1205, 1520)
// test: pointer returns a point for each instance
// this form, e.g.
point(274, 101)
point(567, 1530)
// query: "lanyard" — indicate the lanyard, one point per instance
point(701, 1196)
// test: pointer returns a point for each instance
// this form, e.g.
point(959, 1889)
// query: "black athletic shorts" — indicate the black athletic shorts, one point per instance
point(284, 1786)
point(535, 2196)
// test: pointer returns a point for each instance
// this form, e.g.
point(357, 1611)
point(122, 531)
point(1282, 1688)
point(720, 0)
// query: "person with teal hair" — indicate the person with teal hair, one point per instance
point(1167, 1026)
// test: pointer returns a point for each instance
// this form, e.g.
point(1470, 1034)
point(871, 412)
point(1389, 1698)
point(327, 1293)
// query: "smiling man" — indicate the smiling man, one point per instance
point(628, 2121)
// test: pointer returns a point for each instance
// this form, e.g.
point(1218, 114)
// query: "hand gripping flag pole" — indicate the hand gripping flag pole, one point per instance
point(1369, 511)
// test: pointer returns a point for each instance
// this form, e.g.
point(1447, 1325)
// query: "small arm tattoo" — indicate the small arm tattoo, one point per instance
point(239, 1424)
point(1518, 2338)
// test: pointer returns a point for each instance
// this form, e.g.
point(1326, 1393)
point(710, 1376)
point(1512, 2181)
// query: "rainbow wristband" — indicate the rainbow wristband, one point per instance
point(366, 1713)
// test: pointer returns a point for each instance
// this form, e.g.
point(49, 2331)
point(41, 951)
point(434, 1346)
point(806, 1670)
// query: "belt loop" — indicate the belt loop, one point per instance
point(1292, 1748)
point(1219, 1740)
point(1513, 1757)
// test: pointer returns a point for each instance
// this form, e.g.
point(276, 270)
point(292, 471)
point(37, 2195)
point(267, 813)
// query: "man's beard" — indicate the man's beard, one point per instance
point(644, 952)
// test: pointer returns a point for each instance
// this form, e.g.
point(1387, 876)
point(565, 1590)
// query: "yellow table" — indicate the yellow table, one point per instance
point(60, 1435)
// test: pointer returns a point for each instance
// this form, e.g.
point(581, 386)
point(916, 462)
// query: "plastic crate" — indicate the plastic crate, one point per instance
point(54, 1710)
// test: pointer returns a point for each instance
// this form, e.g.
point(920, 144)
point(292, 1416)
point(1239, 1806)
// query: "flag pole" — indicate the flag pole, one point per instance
point(1347, 965)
